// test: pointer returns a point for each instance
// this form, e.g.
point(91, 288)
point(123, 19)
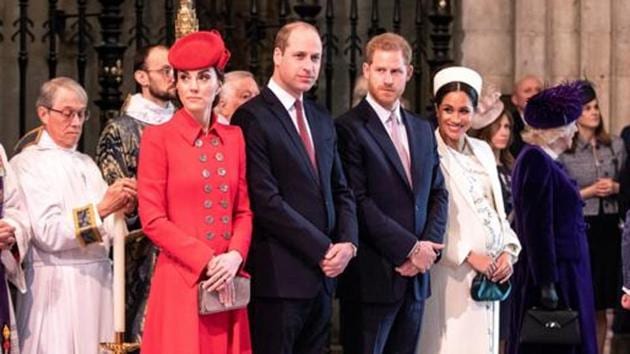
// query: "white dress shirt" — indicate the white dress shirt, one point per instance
point(288, 102)
point(384, 114)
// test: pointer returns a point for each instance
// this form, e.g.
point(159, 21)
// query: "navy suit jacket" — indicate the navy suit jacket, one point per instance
point(392, 215)
point(297, 213)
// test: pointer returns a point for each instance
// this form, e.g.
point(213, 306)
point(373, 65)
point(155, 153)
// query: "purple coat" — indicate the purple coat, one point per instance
point(551, 228)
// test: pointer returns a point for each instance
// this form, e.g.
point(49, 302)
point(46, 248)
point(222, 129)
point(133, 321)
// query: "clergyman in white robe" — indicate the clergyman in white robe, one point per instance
point(68, 306)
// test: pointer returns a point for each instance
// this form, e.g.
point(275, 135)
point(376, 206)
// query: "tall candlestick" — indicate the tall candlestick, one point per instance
point(120, 230)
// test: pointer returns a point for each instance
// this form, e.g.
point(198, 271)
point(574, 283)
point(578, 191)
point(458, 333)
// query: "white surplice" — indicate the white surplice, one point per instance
point(68, 306)
point(14, 213)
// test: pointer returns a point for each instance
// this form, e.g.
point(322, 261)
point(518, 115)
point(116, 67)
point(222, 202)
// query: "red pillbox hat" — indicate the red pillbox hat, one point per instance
point(199, 50)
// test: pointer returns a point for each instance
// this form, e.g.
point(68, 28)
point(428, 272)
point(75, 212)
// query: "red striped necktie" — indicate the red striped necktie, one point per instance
point(303, 131)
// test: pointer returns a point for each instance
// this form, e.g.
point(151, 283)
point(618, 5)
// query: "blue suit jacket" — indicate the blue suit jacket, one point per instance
point(297, 213)
point(392, 215)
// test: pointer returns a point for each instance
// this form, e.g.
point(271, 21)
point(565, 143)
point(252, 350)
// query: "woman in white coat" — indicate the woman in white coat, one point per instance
point(478, 236)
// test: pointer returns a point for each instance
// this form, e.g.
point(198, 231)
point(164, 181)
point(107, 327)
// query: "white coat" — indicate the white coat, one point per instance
point(453, 322)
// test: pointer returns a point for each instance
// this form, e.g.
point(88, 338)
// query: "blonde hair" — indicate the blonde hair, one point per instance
point(388, 42)
point(543, 137)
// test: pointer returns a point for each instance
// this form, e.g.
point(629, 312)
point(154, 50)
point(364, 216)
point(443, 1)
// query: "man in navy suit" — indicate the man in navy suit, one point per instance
point(305, 228)
point(391, 162)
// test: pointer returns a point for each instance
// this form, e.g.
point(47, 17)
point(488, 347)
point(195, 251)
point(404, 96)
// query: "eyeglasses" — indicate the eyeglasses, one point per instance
point(69, 114)
point(166, 71)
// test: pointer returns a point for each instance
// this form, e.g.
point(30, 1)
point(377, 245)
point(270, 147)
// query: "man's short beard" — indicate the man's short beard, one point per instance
point(163, 95)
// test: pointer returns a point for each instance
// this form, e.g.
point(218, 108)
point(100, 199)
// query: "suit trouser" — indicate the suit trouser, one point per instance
point(291, 326)
point(392, 328)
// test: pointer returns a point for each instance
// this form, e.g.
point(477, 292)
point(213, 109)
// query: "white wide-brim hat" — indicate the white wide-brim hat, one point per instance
point(457, 74)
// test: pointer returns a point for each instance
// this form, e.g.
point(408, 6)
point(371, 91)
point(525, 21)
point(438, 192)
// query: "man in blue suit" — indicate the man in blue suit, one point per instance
point(305, 228)
point(391, 161)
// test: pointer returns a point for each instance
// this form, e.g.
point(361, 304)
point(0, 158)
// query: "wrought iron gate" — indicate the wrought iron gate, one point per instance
point(98, 38)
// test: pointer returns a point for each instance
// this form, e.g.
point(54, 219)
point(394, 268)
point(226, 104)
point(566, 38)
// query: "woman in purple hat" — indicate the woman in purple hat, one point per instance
point(554, 268)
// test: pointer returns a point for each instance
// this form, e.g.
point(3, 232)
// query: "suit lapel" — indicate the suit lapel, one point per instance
point(317, 130)
point(452, 169)
point(489, 164)
point(380, 135)
point(416, 158)
point(285, 120)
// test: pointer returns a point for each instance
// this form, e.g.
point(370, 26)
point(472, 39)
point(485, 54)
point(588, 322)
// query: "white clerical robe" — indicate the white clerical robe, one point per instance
point(68, 307)
point(14, 213)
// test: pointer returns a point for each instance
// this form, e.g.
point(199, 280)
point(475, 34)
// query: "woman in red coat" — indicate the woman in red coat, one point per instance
point(194, 206)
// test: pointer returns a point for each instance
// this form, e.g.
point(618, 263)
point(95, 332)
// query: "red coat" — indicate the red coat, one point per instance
point(193, 204)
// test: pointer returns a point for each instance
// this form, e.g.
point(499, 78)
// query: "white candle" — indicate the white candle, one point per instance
point(120, 231)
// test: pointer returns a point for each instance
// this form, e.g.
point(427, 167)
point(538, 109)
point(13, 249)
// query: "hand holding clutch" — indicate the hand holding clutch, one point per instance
point(226, 293)
point(221, 269)
point(229, 298)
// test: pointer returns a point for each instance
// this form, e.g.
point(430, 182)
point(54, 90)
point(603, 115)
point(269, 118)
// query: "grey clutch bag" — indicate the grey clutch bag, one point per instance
point(209, 301)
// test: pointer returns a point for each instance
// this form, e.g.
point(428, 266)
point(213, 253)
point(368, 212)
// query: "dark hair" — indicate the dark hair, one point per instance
point(220, 77)
point(587, 91)
point(588, 94)
point(486, 133)
point(454, 87)
point(139, 60)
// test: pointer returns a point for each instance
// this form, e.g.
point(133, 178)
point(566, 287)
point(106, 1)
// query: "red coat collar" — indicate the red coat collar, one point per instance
point(190, 129)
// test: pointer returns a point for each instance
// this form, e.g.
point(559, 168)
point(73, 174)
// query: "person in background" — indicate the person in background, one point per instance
point(194, 206)
point(524, 89)
point(478, 237)
point(117, 157)
point(554, 268)
point(493, 124)
point(238, 87)
point(74, 216)
point(14, 243)
point(594, 160)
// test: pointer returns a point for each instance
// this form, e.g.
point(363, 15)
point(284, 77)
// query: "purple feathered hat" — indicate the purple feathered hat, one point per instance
point(556, 106)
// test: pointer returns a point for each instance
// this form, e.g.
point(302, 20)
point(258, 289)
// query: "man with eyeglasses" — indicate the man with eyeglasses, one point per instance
point(74, 215)
point(117, 157)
